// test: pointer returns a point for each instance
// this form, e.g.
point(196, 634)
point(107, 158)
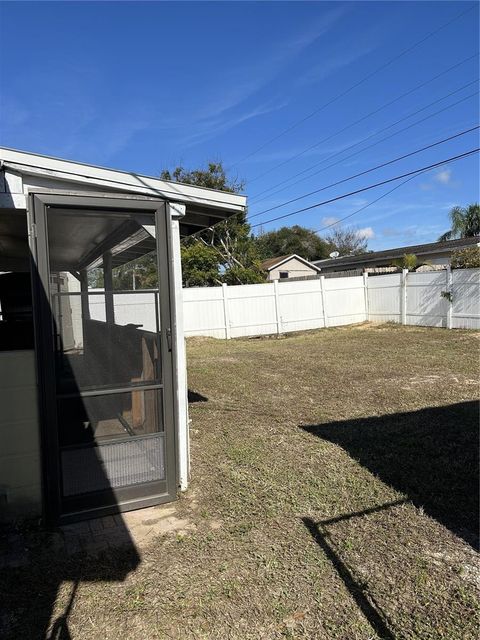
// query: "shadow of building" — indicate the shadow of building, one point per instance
point(430, 455)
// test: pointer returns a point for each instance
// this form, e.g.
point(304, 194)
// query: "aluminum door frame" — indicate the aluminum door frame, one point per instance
point(38, 201)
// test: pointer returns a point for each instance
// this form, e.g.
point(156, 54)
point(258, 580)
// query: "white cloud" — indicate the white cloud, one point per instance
point(329, 220)
point(366, 232)
point(444, 176)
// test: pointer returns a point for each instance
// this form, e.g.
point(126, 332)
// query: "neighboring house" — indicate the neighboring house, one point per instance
point(437, 254)
point(93, 415)
point(291, 266)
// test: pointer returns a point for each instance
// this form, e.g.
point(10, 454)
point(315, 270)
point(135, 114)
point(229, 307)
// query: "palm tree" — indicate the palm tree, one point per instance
point(465, 222)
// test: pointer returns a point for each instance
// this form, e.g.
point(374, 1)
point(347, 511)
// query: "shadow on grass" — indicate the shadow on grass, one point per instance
point(365, 601)
point(193, 396)
point(430, 455)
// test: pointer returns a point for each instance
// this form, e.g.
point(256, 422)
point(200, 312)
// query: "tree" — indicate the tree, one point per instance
point(465, 222)
point(140, 273)
point(347, 241)
point(407, 261)
point(238, 261)
point(468, 258)
point(287, 240)
point(199, 266)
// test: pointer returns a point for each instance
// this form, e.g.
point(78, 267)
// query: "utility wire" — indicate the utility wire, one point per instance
point(257, 199)
point(372, 186)
point(417, 171)
point(365, 117)
point(362, 173)
point(384, 195)
point(354, 86)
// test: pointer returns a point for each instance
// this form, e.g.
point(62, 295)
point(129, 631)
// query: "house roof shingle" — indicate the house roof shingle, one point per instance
point(398, 252)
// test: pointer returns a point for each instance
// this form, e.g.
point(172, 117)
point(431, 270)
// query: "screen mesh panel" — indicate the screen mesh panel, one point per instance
point(110, 466)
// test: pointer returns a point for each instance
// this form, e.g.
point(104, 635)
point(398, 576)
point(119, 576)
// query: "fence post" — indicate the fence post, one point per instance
point(403, 294)
point(450, 299)
point(324, 300)
point(365, 293)
point(225, 311)
point(278, 320)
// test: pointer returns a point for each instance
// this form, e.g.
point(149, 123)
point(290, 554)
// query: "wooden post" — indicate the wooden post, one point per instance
point(403, 296)
point(365, 293)
point(324, 300)
point(226, 316)
point(108, 286)
point(450, 300)
point(278, 319)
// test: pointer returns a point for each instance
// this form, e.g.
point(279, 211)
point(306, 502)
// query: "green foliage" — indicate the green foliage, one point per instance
point(347, 241)
point(213, 177)
point(466, 258)
point(465, 223)
point(243, 275)
point(237, 260)
point(137, 274)
point(408, 261)
point(199, 265)
point(287, 240)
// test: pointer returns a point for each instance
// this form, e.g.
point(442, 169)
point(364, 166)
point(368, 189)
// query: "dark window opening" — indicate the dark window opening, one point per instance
point(283, 274)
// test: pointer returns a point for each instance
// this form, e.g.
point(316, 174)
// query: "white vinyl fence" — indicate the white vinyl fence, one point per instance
point(280, 307)
point(449, 298)
point(273, 307)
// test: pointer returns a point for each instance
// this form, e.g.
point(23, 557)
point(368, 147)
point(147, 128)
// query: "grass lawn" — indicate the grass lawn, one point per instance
point(334, 494)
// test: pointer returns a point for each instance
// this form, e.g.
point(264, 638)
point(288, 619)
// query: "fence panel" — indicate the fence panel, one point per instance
point(425, 305)
point(384, 300)
point(466, 299)
point(345, 300)
point(300, 305)
point(252, 309)
point(203, 312)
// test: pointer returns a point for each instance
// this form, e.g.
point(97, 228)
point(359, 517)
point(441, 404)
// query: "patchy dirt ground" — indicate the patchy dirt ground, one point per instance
point(334, 495)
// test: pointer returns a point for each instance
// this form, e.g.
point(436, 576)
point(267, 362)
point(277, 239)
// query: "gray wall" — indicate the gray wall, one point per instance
point(20, 488)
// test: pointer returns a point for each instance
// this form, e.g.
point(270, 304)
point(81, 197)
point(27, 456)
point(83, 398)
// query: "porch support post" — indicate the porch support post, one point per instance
point(108, 285)
point(175, 213)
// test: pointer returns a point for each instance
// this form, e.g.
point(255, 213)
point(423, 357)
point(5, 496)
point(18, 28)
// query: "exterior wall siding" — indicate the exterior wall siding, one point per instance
point(296, 268)
point(20, 473)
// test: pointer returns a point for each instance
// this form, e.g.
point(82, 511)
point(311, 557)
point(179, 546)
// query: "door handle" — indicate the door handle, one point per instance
point(168, 333)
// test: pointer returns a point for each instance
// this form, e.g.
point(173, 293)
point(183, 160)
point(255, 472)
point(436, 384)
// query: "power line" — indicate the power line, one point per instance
point(362, 173)
point(372, 186)
point(384, 195)
point(354, 86)
point(416, 172)
point(337, 153)
point(365, 117)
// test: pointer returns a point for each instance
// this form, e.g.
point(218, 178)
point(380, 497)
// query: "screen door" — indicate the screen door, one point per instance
point(106, 323)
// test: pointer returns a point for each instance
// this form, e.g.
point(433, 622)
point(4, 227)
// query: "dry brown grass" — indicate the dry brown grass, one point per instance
point(333, 496)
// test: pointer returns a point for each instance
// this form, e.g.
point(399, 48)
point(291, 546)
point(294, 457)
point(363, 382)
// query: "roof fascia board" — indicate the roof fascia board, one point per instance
point(82, 173)
point(294, 255)
point(399, 253)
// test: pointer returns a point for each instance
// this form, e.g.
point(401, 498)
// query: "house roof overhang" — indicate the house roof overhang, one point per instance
point(273, 263)
point(203, 207)
point(385, 257)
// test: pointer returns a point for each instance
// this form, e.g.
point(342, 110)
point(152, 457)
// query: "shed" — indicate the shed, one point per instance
point(291, 266)
point(93, 387)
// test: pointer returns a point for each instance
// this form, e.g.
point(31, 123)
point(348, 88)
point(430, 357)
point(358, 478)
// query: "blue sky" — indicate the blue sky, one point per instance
point(146, 86)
